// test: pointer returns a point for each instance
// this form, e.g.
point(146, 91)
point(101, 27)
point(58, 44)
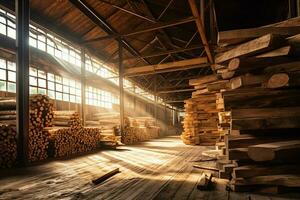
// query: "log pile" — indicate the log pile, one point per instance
point(40, 117)
point(259, 85)
point(201, 120)
point(67, 141)
point(67, 119)
point(140, 129)
point(8, 145)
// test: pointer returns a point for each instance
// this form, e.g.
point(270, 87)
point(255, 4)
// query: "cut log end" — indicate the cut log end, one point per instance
point(278, 80)
point(233, 64)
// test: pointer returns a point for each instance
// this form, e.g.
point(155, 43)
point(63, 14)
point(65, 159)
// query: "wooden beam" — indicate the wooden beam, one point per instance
point(127, 11)
point(166, 67)
point(200, 28)
point(256, 46)
point(176, 91)
point(237, 36)
point(282, 151)
point(164, 53)
point(203, 80)
point(153, 27)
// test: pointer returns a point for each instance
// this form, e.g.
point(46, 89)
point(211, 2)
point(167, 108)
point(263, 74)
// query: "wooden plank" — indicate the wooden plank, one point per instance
point(272, 123)
point(261, 170)
point(283, 151)
point(106, 176)
point(238, 154)
point(256, 46)
point(258, 113)
point(287, 180)
point(240, 35)
point(203, 80)
point(260, 98)
point(164, 67)
point(292, 51)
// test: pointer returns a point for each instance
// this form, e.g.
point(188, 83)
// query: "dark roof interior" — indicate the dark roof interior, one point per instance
point(67, 18)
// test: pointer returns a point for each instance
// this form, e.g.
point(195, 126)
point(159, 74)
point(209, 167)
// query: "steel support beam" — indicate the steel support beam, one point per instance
point(22, 44)
point(121, 88)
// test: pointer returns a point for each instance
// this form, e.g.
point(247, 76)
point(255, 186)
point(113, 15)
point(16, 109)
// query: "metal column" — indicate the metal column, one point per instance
point(121, 88)
point(22, 44)
point(83, 85)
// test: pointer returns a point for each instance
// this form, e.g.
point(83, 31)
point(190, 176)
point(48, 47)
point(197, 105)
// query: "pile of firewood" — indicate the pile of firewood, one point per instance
point(8, 145)
point(201, 120)
point(67, 119)
point(67, 141)
point(140, 129)
point(40, 116)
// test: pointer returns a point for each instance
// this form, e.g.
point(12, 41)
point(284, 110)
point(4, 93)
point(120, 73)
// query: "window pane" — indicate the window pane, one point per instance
point(66, 89)
point(12, 76)
point(32, 71)
point(51, 85)
point(2, 29)
point(50, 77)
point(33, 90)
point(2, 63)
point(58, 79)
point(11, 87)
point(58, 95)
point(66, 97)
point(51, 94)
point(11, 66)
point(72, 98)
point(42, 91)
point(2, 85)
point(41, 74)
point(42, 83)
point(2, 74)
point(58, 87)
point(33, 81)
point(11, 33)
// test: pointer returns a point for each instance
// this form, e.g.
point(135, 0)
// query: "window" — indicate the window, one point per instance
point(97, 97)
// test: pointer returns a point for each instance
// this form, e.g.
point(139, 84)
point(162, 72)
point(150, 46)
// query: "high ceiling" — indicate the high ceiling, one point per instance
point(97, 25)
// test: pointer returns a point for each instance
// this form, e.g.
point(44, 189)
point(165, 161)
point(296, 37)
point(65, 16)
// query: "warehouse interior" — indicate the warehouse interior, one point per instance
point(145, 99)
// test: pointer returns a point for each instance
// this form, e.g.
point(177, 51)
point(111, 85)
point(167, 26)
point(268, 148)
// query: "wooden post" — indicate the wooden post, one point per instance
point(121, 88)
point(22, 43)
point(155, 98)
point(83, 85)
point(134, 98)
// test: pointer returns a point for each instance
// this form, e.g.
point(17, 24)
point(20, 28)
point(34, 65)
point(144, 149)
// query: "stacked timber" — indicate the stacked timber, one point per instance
point(140, 129)
point(8, 134)
point(8, 145)
point(67, 119)
point(260, 97)
point(68, 141)
point(200, 123)
point(109, 123)
point(40, 117)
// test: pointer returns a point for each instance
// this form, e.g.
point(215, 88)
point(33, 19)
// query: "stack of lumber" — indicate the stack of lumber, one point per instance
point(140, 129)
point(200, 123)
point(8, 145)
point(67, 119)
point(67, 141)
point(40, 116)
point(258, 76)
point(8, 135)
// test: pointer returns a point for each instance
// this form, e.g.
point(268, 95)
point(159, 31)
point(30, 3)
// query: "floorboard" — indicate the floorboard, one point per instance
point(160, 169)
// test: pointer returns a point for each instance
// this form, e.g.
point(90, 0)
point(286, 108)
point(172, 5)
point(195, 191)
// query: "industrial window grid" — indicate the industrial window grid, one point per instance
point(53, 45)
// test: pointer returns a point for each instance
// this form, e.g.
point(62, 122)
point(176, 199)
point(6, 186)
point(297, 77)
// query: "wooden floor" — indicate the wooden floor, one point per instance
point(159, 169)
